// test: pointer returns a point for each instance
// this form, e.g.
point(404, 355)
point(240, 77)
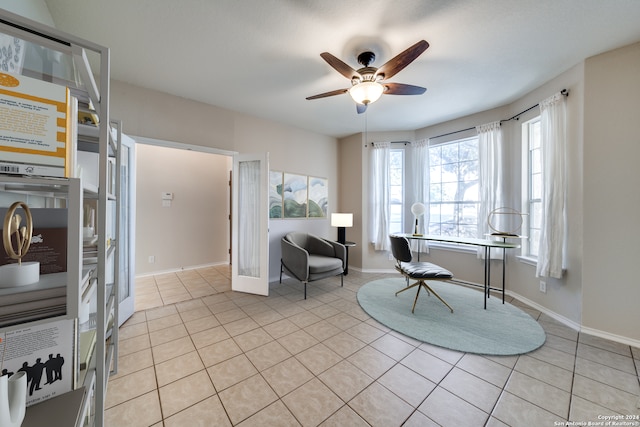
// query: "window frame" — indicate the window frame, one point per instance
point(401, 209)
point(530, 243)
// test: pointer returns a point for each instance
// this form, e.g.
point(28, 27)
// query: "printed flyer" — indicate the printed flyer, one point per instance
point(35, 127)
point(45, 353)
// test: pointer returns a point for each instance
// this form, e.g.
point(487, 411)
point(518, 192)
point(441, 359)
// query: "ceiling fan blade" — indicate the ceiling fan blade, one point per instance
point(402, 89)
point(339, 66)
point(326, 94)
point(398, 62)
point(361, 108)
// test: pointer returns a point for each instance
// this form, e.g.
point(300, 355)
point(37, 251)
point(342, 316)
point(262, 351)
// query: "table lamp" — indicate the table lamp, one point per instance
point(341, 220)
point(417, 209)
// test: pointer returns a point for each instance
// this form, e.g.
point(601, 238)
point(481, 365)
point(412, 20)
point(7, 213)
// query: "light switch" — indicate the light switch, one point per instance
point(167, 196)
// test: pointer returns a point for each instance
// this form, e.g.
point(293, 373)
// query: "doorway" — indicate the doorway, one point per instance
point(183, 207)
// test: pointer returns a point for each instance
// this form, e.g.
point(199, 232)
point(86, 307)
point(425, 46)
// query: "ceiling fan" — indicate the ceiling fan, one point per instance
point(367, 83)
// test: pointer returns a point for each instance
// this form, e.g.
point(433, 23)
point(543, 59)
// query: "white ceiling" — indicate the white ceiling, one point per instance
point(262, 57)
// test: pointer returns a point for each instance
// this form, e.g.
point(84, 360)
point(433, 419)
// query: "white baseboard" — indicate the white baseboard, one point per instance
point(177, 270)
point(574, 325)
point(564, 320)
point(611, 337)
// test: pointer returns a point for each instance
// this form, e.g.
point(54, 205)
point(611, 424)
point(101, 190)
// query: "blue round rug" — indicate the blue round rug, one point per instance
point(500, 330)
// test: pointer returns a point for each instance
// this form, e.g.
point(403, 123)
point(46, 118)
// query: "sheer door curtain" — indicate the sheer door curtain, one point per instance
point(248, 215)
point(379, 197)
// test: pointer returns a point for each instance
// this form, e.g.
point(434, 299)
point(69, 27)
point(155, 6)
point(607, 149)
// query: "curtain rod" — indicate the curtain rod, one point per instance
point(564, 92)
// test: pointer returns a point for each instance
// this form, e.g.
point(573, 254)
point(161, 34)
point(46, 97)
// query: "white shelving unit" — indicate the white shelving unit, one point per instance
point(90, 283)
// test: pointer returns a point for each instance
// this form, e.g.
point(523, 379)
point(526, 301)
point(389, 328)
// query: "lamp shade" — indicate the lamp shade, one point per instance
point(341, 220)
point(418, 209)
point(366, 92)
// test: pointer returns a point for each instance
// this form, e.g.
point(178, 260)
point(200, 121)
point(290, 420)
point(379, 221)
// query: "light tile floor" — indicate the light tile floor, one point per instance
point(197, 354)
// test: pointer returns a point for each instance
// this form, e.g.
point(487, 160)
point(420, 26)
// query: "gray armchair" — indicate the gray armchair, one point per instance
point(308, 258)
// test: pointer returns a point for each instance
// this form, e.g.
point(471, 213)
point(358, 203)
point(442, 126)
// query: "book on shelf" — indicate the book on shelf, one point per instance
point(87, 345)
point(28, 306)
point(50, 286)
point(36, 314)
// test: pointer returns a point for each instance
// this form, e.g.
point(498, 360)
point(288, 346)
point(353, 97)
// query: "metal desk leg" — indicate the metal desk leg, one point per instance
point(487, 274)
point(504, 269)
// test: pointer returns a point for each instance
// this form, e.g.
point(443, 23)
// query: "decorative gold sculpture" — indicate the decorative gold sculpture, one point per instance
point(23, 234)
point(510, 229)
point(18, 274)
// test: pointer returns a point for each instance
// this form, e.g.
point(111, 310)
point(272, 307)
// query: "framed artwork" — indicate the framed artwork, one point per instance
point(294, 196)
point(318, 197)
point(276, 195)
point(297, 196)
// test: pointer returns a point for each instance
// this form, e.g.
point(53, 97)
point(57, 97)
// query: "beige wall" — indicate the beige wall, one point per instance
point(158, 115)
point(194, 229)
point(611, 275)
point(32, 9)
point(352, 189)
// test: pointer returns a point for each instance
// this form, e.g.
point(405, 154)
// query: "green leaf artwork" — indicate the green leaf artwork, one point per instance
point(295, 196)
point(275, 194)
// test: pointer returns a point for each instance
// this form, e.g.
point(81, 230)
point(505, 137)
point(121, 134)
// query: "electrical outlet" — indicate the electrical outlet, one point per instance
point(152, 259)
point(543, 287)
point(391, 258)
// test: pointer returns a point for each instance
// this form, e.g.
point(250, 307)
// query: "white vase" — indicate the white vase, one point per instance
point(13, 398)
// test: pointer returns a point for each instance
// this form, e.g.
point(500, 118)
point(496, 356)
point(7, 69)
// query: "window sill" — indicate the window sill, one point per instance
point(468, 249)
point(528, 260)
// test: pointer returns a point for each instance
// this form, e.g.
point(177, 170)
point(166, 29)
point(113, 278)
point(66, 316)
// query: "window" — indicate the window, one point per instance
point(396, 191)
point(454, 188)
point(532, 186)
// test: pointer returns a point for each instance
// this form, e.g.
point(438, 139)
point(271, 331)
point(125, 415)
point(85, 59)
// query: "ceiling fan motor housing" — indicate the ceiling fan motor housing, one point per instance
point(366, 58)
point(366, 74)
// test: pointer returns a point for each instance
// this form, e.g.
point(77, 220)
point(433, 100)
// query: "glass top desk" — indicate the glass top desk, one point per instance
point(487, 244)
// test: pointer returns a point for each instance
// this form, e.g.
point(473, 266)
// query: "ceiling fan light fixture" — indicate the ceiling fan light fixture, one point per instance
point(366, 92)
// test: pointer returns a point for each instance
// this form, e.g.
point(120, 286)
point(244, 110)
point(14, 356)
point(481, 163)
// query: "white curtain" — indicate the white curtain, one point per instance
point(248, 218)
point(490, 178)
point(420, 181)
point(379, 198)
point(553, 151)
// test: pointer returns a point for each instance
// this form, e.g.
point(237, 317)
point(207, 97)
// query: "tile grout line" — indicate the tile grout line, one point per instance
point(339, 304)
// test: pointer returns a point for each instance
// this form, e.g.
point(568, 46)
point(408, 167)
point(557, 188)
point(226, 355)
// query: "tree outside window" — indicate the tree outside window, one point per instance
point(454, 189)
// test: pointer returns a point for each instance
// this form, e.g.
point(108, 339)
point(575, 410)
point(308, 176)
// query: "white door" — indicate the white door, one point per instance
point(250, 224)
point(127, 206)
